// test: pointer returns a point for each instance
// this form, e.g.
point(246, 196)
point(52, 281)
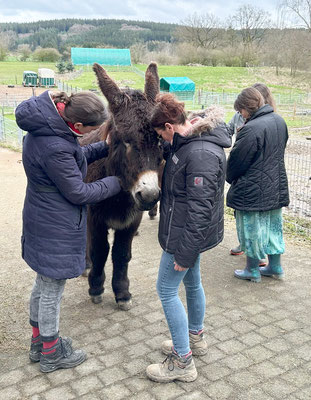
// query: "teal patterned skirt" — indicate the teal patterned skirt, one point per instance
point(260, 232)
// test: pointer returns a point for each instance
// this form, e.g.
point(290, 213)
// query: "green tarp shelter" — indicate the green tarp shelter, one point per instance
point(177, 84)
point(84, 56)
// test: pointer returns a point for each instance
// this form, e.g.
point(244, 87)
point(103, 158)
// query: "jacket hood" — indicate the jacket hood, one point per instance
point(207, 125)
point(39, 117)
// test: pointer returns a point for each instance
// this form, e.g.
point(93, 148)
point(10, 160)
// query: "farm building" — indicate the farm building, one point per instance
point(84, 56)
point(182, 87)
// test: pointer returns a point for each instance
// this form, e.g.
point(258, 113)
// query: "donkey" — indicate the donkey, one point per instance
point(135, 156)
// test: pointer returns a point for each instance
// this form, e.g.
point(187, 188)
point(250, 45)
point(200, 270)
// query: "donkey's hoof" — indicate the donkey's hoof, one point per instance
point(125, 305)
point(97, 299)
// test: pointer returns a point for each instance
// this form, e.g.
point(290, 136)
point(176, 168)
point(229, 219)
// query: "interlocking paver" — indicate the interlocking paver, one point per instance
point(219, 390)
point(115, 392)
point(61, 392)
point(259, 336)
point(168, 391)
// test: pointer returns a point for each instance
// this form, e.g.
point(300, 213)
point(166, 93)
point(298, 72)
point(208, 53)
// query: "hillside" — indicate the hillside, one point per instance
point(65, 33)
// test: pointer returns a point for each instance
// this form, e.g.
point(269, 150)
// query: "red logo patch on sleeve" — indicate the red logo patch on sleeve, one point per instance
point(198, 181)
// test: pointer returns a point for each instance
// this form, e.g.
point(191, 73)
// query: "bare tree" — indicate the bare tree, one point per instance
point(200, 30)
point(297, 51)
point(274, 48)
point(252, 23)
point(300, 10)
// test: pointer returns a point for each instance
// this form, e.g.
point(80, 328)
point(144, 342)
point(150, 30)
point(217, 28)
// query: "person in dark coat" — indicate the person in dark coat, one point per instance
point(191, 222)
point(54, 213)
point(234, 127)
point(259, 187)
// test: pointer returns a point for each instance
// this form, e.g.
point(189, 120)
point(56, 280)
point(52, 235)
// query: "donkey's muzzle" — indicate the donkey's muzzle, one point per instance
point(146, 201)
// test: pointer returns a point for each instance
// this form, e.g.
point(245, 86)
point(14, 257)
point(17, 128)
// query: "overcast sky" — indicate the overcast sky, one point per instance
point(173, 11)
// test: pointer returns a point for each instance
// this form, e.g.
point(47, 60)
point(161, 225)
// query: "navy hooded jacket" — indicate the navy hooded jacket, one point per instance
point(54, 214)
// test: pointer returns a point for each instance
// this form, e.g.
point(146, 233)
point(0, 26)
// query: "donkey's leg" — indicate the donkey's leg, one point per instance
point(88, 261)
point(98, 251)
point(121, 256)
point(153, 212)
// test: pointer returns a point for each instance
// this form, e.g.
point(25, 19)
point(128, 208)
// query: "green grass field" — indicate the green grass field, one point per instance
point(216, 79)
point(211, 79)
point(11, 72)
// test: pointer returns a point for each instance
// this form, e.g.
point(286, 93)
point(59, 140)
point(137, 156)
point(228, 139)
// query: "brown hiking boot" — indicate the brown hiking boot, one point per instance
point(173, 368)
point(198, 345)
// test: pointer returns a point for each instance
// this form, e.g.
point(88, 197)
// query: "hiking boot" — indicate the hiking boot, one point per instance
point(37, 346)
point(198, 345)
point(173, 368)
point(236, 251)
point(63, 357)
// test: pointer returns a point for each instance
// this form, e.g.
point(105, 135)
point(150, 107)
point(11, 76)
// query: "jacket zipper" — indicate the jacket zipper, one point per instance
point(170, 210)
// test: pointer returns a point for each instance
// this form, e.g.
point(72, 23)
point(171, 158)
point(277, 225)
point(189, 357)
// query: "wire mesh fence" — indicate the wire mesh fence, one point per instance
point(10, 134)
point(298, 166)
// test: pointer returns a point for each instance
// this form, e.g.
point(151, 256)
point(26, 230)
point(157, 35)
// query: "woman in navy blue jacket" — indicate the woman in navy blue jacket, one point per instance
point(54, 214)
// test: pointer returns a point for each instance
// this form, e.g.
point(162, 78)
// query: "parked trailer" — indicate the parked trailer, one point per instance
point(46, 77)
point(30, 78)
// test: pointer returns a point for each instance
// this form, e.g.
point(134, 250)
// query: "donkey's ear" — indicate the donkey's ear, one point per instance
point(109, 88)
point(152, 82)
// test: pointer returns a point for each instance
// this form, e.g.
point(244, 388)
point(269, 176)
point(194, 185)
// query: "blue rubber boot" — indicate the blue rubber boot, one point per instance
point(274, 268)
point(251, 271)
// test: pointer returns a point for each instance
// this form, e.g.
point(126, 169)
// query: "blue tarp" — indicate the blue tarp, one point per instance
point(177, 84)
point(84, 56)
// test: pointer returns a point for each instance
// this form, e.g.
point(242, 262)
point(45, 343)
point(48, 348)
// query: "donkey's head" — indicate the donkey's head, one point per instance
point(135, 155)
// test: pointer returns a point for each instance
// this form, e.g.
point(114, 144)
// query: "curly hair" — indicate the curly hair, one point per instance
point(168, 109)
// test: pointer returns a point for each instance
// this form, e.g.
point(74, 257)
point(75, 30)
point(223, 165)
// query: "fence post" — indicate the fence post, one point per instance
point(1, 127)
point(20, 137)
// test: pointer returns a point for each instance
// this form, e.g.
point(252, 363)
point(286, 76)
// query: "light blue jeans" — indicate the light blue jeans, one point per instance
point(167, 287)
point(44, 307)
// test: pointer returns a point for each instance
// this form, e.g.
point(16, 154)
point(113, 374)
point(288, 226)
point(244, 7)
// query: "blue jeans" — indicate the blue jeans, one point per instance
point(45, 301)
point(167, 287)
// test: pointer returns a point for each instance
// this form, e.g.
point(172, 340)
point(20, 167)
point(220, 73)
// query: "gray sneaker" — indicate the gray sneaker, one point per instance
point(36, 347)
point(63, 357)
point(173, 368)
point(198, 345)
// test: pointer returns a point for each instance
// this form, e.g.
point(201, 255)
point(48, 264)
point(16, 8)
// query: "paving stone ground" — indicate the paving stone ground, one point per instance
point(258, 334)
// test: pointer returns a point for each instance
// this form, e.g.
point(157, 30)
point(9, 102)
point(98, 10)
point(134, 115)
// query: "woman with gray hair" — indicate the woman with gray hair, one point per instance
point(259, 187)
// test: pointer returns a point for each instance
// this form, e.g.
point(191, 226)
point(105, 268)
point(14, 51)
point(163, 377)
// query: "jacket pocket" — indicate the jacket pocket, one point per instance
point(79, 217)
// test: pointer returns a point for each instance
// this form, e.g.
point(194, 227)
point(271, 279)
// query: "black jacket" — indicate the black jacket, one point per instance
point(256, 168)
point(192, 202)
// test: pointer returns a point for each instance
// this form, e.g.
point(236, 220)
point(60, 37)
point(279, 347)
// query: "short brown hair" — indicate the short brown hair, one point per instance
point(266, 94)
point(84, 107)
point(250, 99)
point(168, 109)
